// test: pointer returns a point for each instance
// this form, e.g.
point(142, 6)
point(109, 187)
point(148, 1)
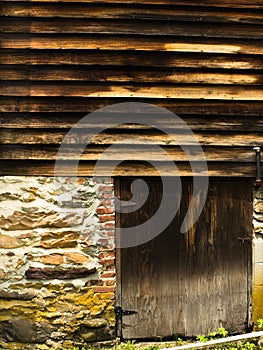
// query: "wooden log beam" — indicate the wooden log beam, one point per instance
point(144, 43)
point(195, 122)
point(211, 92)
point(130, 58)
point(127, 152)
point(128, 11)
point(256, 4)
point(133, 27)
point(153, 137)
point(118, 75)
point(86, 105)
point(46, 168)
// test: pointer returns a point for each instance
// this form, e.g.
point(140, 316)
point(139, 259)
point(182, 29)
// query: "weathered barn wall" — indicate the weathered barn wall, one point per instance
point(61, 60)
point(57, 265)
point(257, 297)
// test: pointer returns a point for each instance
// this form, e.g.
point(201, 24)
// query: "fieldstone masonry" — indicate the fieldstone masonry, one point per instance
point(57, 265)
point(257, 295)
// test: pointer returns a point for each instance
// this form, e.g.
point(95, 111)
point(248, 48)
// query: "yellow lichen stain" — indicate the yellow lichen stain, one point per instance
point(107, 296)
point(84, 300)
point(110, 315)
point(10, 304)
point(18, 346)
point(66, 311)
point(96, 310)
point(52, 309)
point(257, 303)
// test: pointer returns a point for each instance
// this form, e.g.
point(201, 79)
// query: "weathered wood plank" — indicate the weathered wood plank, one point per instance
point(144, 43)
point(131, 58)
point(68, 120)
point(144, 49)
point(86, 105)
point(132, 27)
point(124, 11)
point(250, 93)
point(46, 168)
point(211, 296)
point(39, 120)
point(131, 153)
point(211, 3)
point(146, 269)
point(53, 136)
point(162, 279)
point(109, 74)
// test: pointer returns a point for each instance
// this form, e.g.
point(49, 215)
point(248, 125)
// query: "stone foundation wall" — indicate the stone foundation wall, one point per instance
point(257, 295)
point(57, 265)
point(57, 262)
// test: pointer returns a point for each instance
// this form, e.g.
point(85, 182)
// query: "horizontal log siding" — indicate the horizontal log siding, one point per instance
point(60, 60)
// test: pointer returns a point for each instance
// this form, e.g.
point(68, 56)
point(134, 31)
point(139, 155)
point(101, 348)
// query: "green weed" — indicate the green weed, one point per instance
point(251, 344)
point(129, 345)
point(153, 347)
point(260, 324)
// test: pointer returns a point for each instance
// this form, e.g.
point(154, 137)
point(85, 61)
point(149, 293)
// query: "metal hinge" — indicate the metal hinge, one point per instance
point(120, 312)
point(258, 182)
point(244, 239)
point(124, 204)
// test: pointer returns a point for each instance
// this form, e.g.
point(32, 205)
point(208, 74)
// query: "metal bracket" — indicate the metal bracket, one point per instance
point(124, 204)
point(258, 167)
point(128, 312)
point(244, 239)
point(120, 312)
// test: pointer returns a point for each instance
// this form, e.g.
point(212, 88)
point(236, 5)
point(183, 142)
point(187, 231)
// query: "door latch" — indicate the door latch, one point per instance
point(258, 167)
point(244, 239)
point(120, 312)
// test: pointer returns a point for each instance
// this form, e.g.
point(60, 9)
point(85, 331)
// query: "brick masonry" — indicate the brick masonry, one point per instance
point(57, 265)
point(257, 295)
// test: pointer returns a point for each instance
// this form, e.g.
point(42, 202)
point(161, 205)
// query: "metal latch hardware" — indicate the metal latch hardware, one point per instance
point(258, 167)
point(120, 312)
point(124, 204)
point(243, 239)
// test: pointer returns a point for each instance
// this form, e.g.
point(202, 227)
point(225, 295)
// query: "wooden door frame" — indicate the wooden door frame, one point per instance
point(250, 264)
point(118, 289)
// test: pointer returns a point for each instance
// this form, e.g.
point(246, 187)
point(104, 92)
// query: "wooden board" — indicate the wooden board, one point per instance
point(128, 59)
point(92, 153)
point(126, 11)
point(224, 3)
point(129, 42)
point(68, 120)
point(80, 89)
point(132, 27)
point(191, 283)
point(136, 168)
point(150, 137)
point(122, 75)
point(86, 105)
point(60, 60)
